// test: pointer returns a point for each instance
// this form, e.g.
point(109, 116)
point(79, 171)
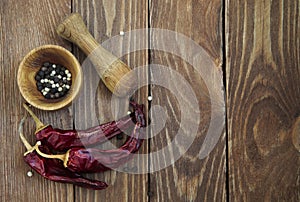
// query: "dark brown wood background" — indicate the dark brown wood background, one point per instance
point(255, 43)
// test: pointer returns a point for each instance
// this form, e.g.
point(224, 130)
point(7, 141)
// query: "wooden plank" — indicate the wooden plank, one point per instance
point(24, 26)
point(263, 99)
point(189, 178)
point(105, 19)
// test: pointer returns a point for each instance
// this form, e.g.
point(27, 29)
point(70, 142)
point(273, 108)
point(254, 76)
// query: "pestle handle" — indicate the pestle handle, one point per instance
point(110, 68)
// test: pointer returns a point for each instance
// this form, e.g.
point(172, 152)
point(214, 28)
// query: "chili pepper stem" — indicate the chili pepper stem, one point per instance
point(63, 157)
point(38, 123)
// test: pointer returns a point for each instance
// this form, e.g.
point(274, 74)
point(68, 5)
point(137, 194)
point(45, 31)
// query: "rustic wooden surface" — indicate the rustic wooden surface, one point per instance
point(259, 50)
point(188, 178)
point(263, 99)
point(24, 26)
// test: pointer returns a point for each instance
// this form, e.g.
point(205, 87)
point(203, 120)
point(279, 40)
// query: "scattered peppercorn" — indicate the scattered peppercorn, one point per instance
point(120, 136)
point(53, 80)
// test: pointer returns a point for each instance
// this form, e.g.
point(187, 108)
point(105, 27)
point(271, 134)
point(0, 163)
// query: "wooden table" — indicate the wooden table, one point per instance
point(256, 44)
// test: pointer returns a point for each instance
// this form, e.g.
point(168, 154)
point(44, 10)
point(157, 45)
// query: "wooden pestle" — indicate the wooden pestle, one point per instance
point(109, 67)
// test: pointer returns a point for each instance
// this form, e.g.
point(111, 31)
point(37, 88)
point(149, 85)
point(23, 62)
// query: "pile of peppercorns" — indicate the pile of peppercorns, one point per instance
point(53, 80)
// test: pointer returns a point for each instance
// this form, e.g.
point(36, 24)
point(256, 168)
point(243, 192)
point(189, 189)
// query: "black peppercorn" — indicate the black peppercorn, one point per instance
point(40, 88)
point(53, 90)
point(120, 136)
point(41, 73)
point(56, 79)
point(53, 80)
point(37, 77)
point(47, 96)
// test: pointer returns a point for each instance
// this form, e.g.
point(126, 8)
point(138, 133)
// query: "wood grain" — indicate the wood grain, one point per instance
point(105, 19)
point(26, 25)
point(189, 178)
point(263, 99)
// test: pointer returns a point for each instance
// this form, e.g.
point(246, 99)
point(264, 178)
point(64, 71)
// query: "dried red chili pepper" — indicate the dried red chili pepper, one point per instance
point(84, 160)
point(54, 169)
point(61, 140)
point(97, 160)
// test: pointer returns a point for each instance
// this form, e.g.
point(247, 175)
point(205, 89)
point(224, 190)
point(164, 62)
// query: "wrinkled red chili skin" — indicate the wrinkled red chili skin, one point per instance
point(96, 160)
point(54, 170)
point(62, 140)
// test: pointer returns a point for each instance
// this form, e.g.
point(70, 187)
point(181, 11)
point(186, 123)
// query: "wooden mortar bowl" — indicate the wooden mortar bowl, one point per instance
point(32, 63)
